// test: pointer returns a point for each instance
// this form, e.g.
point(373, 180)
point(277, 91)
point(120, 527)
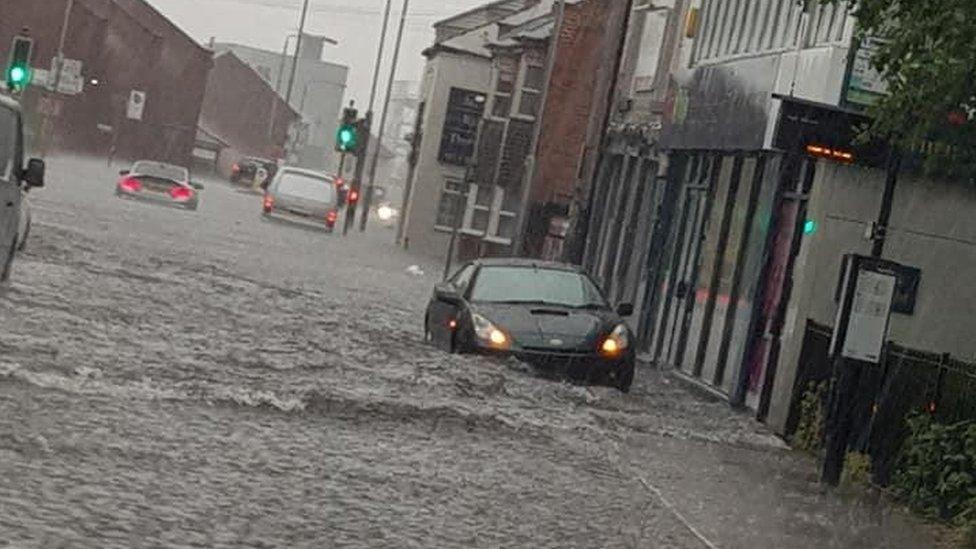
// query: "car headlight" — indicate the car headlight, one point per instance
point(386, 213)
point(490, 334)
point(617, 342)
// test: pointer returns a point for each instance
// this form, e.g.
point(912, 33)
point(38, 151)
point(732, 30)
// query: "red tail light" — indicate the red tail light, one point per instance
point(331, 218)
point(181, 194)
point(130, 185)
point(353, 196)
point(268, 203)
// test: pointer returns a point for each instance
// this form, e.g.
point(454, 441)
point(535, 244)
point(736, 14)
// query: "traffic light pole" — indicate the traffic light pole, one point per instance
point(368, 198)
point(357, 178)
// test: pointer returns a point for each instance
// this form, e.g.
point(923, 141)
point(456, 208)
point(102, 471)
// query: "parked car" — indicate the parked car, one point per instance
point(15, 176)
point(246, 171)
point(547, 314)
point(159, 182)
point(303, 196)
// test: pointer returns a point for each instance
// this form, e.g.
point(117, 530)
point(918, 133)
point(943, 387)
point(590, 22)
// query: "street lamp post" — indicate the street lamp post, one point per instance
point(281, 63)
point(368, 123)
point(368, 198)
point(298, 48)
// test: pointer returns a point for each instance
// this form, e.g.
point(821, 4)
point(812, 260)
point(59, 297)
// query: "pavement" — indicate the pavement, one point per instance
point(209, 379)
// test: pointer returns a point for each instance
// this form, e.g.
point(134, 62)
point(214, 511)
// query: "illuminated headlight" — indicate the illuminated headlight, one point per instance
point(617, 342)
point(490, 334)
point(386, 213)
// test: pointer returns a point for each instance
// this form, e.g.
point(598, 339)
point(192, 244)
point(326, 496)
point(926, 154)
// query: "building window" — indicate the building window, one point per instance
point(744, 27)
point(506, 71)
point(654, 27)
point(531, 94)
point(452, 205)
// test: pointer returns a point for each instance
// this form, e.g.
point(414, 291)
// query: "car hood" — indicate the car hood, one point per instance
point(544, 327)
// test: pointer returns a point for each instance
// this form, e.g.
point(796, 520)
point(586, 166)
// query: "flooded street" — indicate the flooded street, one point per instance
point(208, 379)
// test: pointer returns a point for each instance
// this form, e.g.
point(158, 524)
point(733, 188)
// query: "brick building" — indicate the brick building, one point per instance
point(124, 45)
point(244, 112)
point(511, 185)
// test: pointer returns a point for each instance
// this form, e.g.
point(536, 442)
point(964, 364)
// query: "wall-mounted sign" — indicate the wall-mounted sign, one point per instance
point(867, 326)
point(136, 106)
point(865, 85)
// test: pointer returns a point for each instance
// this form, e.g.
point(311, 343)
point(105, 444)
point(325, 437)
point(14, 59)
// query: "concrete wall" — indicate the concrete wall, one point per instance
point(443, 71)
point(932, 228)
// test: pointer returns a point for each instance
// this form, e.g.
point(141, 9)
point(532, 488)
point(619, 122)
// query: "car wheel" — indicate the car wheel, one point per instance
point(625, 379)
point(428, 335)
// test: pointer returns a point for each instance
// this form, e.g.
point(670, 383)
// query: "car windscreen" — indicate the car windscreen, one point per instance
point(534, 285)
point(306, 186)
point(162, 171)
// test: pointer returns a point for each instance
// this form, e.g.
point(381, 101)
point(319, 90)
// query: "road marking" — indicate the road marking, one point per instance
point(670, 506)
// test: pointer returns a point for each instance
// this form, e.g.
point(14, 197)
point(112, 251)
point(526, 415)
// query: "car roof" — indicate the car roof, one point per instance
point(160, 164)
point(303, 171)
point(9, 103)
point(526, 263)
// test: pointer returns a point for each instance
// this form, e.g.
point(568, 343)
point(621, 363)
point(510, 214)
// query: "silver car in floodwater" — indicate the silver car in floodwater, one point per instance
point(303, 196)
point(159, 182)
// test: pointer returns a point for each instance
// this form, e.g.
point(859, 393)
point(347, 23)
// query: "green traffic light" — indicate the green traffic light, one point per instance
point(18, 75)
point(347, 138)
point(810, 227)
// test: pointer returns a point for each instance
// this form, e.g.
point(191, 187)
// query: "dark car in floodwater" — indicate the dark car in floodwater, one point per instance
point(550, 315)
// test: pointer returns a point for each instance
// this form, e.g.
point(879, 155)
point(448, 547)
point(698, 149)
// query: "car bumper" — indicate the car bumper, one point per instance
point(587, 365)
point(311, 222)
point(156, 198)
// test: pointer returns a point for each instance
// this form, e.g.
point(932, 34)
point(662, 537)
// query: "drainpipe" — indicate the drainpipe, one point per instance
point(575, 252)
point(530, 171)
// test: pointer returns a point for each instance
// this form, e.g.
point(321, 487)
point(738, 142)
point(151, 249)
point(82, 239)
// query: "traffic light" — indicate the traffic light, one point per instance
point(347, 137)
point(19, 72)
point(353, 197)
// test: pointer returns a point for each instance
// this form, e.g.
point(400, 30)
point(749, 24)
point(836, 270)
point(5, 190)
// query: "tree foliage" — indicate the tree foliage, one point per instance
point(928, 57)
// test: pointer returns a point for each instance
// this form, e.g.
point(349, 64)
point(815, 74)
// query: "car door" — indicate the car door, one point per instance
point(442, 315)
point(10, 164)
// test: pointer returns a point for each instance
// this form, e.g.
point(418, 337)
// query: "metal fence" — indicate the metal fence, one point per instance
point(906, 381)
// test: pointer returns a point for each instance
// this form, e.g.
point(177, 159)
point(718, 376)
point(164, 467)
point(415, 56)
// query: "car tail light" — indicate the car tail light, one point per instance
point(331, 218)
point(268, 203)
point(130, 185)
point(181, 194)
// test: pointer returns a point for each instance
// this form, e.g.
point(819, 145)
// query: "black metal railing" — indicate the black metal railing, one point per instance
point(907, 381)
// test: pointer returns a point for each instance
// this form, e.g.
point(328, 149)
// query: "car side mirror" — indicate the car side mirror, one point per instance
point(447, 293)
point(124, 172)
point(197, 186)
point(34, 174)
point(625, 309)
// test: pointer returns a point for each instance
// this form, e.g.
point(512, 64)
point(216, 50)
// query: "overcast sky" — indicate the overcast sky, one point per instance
point(355, 23)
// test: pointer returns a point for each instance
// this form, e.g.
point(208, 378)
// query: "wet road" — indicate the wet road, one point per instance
point(208, 379)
